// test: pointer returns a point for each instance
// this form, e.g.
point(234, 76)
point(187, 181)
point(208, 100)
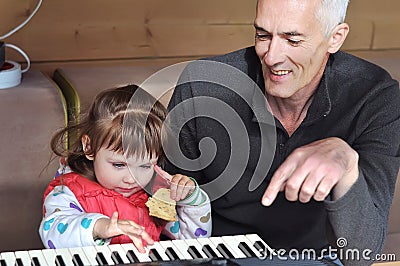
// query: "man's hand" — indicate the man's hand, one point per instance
point(106, 228)
point(313, 171)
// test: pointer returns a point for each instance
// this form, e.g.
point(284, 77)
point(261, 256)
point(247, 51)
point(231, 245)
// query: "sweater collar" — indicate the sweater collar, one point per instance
point(321, 105)
point(261, 111)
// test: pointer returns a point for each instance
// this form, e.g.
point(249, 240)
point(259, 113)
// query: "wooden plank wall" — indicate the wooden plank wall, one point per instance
point(77, 32)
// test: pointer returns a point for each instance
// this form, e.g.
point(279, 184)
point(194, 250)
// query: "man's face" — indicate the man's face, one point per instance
point(291, 46)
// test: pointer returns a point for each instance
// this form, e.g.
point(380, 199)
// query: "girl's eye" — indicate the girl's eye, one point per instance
point(118, 165)
point(145, 166)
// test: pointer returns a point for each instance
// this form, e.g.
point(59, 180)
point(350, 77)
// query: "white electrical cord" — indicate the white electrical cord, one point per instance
point(28, 62)
point(23, 23)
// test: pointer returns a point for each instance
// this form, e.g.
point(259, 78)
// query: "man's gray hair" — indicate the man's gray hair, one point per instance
point(331, 13)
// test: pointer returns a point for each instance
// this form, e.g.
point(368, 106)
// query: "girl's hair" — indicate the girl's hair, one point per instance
point(125, 119)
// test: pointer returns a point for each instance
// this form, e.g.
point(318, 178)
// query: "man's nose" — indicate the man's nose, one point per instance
point(274, 53)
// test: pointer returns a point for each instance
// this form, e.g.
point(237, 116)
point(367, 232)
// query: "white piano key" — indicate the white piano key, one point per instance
point(39, 256)
point(9, 258)
point(254, 238)
point(168, 244)
point(90, 252)
point(106, 252)
point(182, 246)
point(47, 257)
point(219, 241)
point(81, 254)
point(121, 252)
point(50, 256)
point(243, 238)
point(160, 250)
point(24, 257)
point(197, 245)
point(234, 244)
point(206, 241)
point(143, 257)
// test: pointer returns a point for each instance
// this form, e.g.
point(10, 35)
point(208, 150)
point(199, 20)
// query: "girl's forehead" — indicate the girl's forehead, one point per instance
point(137, 160)
point(132, 159)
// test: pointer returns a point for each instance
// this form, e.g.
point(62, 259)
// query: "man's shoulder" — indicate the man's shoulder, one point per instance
point(352, 65)
point(240, 59)
point(234, 55)
point(245, 60)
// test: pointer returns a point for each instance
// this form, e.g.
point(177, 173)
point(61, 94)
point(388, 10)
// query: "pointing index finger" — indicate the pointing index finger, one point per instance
point(162, 173)
point(272, 190)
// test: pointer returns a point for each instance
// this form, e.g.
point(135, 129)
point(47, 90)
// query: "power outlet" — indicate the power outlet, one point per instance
point(10, 75)
point(2, 54)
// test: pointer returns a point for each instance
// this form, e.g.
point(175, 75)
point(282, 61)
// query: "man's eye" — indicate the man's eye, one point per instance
point(294, 42)
point(262, 37)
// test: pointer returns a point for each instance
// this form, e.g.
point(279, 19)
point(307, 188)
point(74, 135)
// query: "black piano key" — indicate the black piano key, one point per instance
point(76, 260)
point(116, 258)
point(171, 254)
point(225, 251)
point(60, 261)
point(262, 248)
point(192, 250)
point(35, 261)
point(18, 262)
point(209, 252)
point(101, 260)
point(154, 255)
point(132, 256)
point(246, 250)
point(3, 262)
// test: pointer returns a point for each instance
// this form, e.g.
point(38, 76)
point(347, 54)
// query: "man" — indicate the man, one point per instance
point(332, 172)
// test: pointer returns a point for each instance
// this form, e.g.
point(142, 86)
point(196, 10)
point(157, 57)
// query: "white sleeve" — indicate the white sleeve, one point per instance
point(65, 223)
point(193, 221)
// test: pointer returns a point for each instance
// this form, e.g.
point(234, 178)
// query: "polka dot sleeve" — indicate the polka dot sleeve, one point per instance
point(194, 220)
point(65, 223)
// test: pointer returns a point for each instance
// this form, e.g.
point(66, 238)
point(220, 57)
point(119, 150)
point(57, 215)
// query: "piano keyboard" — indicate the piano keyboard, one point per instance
point(200, 250)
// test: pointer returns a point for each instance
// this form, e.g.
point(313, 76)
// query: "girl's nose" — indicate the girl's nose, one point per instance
point(129, 178)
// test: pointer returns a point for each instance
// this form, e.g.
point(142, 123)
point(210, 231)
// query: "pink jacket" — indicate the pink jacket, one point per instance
point(96, 199)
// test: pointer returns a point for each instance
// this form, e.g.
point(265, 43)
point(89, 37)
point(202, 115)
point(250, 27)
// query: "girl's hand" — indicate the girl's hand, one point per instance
point(181, 185)
point(106, 228)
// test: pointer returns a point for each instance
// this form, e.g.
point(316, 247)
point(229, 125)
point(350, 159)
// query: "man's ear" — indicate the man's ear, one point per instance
point(86, 147)
point(338, 37)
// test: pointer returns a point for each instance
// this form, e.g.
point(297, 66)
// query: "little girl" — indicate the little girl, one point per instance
point(113, 169)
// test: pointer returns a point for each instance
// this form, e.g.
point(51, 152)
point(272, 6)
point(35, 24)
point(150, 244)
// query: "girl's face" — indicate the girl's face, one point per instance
point(123, 175)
